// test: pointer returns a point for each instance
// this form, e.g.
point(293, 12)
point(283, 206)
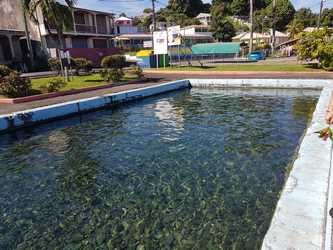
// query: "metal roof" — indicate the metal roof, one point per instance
point(216, 48)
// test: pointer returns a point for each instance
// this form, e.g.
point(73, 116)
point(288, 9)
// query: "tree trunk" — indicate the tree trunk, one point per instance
point(27, 34)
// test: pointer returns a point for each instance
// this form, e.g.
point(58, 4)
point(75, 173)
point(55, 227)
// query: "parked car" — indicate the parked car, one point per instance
point(256, 55)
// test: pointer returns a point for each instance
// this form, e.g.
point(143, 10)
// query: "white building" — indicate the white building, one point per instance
point(204, 18)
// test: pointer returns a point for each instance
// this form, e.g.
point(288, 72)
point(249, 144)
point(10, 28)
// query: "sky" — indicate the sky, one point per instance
point(135, 7)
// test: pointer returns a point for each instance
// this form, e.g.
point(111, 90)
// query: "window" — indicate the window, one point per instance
point(79, 42)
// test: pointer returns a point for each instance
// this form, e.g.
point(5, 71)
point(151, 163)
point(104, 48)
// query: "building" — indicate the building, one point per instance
point(132, 41)
point(13, 43)
point(261, 38)
point(205, 18)
point(195, 34)
point(91, 29)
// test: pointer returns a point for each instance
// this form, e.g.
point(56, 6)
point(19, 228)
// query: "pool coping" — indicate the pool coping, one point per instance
point(301, 219)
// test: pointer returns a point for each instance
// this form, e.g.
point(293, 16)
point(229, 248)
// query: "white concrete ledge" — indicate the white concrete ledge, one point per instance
point(301, 214)
point(263, 83)
point(25, 118)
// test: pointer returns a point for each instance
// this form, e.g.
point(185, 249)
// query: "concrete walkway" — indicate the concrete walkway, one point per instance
point(10, 108)
point(177, 74)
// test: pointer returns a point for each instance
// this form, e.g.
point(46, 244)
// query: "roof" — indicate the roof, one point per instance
point(246, 36)
point(203, 15)
point(96, 11)
point(200, 36)
point(123, 18)
point(278, 33)
point(134, 36)
point(216, 48)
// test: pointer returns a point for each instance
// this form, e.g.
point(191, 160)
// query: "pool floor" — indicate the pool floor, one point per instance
point(192, 169)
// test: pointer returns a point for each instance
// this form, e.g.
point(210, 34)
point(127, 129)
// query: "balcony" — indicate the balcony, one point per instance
point(84, 28)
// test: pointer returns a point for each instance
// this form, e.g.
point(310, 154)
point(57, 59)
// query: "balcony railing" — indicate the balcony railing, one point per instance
point(101, 29)
point(83, 28)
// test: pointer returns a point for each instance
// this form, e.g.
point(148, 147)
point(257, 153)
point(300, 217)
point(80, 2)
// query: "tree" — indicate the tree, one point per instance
point(147, 11)
point(55, 15)
point(190, 8)
point(327, 18)
point(284, 13)
point(240, 7)
point(316, 45)
point(294, 28)
point(306, 17)
point(222, 27)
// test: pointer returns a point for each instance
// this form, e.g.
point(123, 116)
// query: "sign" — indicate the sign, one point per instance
point(160, 42)
point(147, 44)
point(174, 35)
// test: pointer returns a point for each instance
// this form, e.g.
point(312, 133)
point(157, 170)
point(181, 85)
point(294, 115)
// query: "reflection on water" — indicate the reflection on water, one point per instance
point(199, 169)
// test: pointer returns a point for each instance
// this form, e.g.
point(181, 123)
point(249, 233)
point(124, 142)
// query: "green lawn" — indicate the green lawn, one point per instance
point(76, 82)
point(249, 67)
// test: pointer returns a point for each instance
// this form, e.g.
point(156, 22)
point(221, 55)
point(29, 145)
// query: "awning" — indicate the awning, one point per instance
point(216, 48)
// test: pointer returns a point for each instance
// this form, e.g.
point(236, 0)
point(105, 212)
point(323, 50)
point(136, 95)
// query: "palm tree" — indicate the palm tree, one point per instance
point(294, 28)
point(54, 14)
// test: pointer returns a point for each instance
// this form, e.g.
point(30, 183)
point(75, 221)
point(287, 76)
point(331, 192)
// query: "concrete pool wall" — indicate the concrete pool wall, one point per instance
point(301, 219)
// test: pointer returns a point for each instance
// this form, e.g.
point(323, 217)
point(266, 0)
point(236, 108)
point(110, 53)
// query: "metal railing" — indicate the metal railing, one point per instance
point(83, 28)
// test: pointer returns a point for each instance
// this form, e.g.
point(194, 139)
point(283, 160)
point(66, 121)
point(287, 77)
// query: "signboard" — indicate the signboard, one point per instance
point(174, 36)
point(160, 42)
point(147, 44)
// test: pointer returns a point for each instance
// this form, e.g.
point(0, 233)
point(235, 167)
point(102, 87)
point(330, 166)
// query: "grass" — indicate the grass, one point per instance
point(249, 67)
point(76, 82)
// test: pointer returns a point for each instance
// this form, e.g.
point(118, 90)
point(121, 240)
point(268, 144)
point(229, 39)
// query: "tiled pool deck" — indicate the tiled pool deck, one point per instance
point(301, 219)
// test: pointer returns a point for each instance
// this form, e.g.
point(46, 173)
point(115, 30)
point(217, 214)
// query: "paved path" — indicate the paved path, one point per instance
point(10, 108)
point(173, 75)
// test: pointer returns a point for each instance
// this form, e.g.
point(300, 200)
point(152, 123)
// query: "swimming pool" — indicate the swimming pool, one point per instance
point(193, 169)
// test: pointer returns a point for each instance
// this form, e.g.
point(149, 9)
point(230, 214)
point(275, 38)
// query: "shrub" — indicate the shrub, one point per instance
point(53, 85)
point(112, 75)
point(82, 64)
point(54, 64)
point(4, 70)
point(13, 85)
point(316, 45)
point(114, 62)
point(137, 71)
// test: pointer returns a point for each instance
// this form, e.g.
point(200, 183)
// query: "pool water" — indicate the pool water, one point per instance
point(192, 169)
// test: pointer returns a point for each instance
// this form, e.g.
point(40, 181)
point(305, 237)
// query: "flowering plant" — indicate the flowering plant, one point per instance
point(325, 133)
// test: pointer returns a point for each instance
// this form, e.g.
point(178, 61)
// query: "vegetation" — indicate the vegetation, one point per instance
point(11, 84)
point(317, 45)
point(54, 85)
point(113, 68)
point(182, 12)
point(82, 65)
point(54, 65)
point(56, 15)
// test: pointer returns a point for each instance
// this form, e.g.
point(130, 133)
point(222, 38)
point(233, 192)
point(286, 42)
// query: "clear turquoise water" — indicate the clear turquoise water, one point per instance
point(199, 169)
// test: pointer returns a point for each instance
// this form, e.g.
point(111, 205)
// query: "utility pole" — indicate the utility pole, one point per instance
point(251, 26)
point(320, 13)
point(273, 25)
point(27, 34)
point(154, 14)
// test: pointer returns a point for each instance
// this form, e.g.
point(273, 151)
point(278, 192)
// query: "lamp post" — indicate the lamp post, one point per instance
point(251, 26)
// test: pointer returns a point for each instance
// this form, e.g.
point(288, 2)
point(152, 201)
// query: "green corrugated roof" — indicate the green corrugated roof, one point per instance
point(216, 48)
